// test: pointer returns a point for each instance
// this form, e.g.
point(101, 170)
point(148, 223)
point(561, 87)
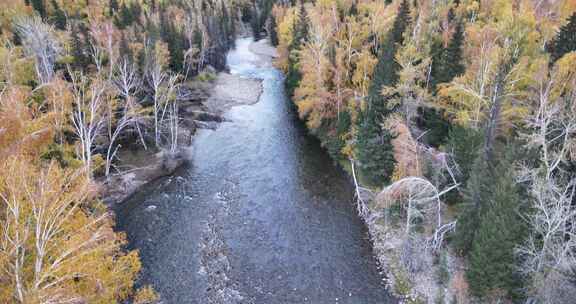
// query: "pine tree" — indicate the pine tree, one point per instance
point(59, 17)
point(492, 264)
point(375, 151)
point(565, 41)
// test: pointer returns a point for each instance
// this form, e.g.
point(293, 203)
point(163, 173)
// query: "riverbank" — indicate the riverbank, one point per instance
point(213, 95)
point(259, 215)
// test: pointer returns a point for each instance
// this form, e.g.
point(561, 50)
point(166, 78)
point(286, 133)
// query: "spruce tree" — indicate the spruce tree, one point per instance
point(374, 148)
point(125, 17)
point(353, 9)
point(112, 7)
point(59, 17)
point(301, 29)
point(565, 41)
point(273, 33)
point(476, 199)
point(492, 268)
point(39, 7)
point(447, 62)
point(453, 55)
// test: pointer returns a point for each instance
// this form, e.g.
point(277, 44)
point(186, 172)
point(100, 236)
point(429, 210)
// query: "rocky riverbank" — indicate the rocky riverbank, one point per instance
point(203, 104)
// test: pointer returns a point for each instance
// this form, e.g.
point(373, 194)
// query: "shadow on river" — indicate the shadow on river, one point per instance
point(261, 215)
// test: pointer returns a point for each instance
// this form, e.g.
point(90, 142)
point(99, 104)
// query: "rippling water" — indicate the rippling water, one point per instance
point(261, 215)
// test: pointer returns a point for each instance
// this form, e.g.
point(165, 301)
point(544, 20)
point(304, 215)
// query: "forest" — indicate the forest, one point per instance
point(79, 80)
point(457, 119)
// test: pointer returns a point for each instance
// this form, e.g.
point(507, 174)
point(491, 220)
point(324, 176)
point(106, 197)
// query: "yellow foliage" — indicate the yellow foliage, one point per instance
point(59, 244)
point(146, 295)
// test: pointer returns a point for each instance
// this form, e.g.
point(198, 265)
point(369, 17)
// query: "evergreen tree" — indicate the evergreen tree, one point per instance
point(476, 199)
point(447, 62)
point(453, 55)
point(375, 151)
point(59, 17)
point(272, 29)
point(112, 7)
point(174, 39)
point(39, 7)
point(135, 12)
point(301, 29)
point(81, 59)
point(353, 9)
point(565, 41)
point(124, 17)
point(492, 263)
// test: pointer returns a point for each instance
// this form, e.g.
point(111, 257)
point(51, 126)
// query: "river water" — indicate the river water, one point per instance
point(260, 215)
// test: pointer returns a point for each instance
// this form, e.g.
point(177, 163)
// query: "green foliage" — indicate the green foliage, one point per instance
point(301, 32)
point(442, 272)
point(112, 7)
point(436, 126)
point(464, 144)
point(79, 49)
point(492, 269)
point(125, 17)
point(39, 7)
point(58, 16)
point(374, 149)
point(273, 32)
point(565, 41)
point(480, 184)
point(448, 62)
point(375, 152)
point(205, 76)
point(331, 133)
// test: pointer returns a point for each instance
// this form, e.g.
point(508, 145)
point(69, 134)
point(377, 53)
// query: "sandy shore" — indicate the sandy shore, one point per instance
point(263, 49)
point(233, 90)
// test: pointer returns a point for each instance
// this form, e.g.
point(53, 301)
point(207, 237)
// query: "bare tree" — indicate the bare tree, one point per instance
point(89, 114)
point(40, 43)
point(173, 112)
point(549, 254)
point(418, 195)
point(48, 241)
point(156, 79)
point(125, 121)
point(128, 83)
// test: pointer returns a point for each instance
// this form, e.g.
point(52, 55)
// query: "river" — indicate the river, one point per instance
point(260, 215)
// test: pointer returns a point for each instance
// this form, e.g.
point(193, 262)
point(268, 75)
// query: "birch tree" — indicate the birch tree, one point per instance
point(88, 116)
point(51, 249)
point(549, 255)
point(40, 43)
point(128, 83)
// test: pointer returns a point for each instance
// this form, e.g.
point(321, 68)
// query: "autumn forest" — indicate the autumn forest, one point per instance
point(453, 122)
